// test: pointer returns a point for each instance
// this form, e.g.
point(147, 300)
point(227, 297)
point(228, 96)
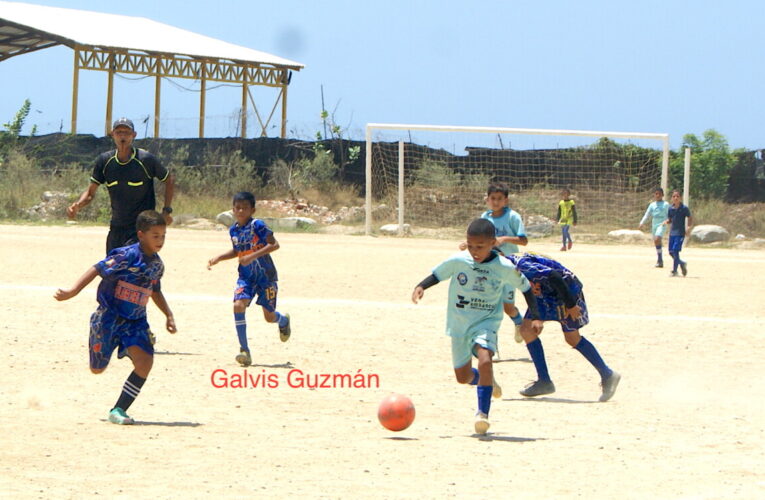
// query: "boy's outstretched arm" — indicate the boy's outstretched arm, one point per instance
point(81, 283)
point(419, 290)
point(159, 299)
point(224, 256)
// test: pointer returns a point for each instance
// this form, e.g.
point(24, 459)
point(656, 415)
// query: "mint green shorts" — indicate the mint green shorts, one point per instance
point(463, 347)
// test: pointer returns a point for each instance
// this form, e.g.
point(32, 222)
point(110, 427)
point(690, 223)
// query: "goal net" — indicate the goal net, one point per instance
point(436, 176)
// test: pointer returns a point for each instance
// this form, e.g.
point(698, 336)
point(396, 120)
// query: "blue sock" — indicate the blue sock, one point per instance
point(281, 319)
point(675, 261)
point(658, 252)
point(241, 330)
point(517, 319)
point(538, 357)
point(591, 354)
point(475, 377)
point(484, 398)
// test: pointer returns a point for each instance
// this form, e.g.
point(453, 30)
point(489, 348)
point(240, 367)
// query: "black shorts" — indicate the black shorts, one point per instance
point(120, 236)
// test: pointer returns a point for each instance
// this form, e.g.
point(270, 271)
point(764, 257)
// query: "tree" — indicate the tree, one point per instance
point(711, 163)
point(12, 129)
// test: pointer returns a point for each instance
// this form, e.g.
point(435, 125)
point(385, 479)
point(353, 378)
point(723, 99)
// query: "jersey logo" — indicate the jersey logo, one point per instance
point(461, 302)
point(462, 279)
point(478, 286)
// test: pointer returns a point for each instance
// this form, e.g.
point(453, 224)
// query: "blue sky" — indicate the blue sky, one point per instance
point(645, 66)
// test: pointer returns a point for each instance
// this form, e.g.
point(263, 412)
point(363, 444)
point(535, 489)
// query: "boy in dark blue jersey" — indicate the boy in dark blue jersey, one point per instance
point(252, 242)
point(676, 216)
point(130, 277)
point(559, 298)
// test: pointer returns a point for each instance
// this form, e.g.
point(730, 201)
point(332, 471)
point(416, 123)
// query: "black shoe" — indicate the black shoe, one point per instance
point(609, 386)
point(538, 388)
point(684, 268)
point(659, 264)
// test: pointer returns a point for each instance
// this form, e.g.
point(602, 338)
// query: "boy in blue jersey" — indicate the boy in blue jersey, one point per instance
point(676, 216)
point(129, 277)
point(559, 297)
point(510, 233)
point(252, 242)
point(657, 212)
point(480, 281)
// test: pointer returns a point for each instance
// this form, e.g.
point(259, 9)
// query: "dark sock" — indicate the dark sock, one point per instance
point(537, 353)
point(130, 391)
point(241, 330)
point(484, 398)
point(658, 252)
point(591, 354)
point(475, 377)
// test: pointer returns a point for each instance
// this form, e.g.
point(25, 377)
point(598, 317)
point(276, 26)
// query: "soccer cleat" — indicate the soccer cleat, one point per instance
point(570, 244)
point(563, 248)
point(481, 423)
point(684, 268)
point(243, 358)
point(659, 264)
point(518, 337)
point(538, 388)
point(496, 390)
point(118, 416)
point(285, 331)
point(609, 386)
point(673, 274)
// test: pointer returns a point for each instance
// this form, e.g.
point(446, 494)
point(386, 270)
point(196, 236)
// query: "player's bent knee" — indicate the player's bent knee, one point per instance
point(96, 371)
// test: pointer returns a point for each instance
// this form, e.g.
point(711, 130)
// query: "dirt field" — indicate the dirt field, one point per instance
point(688, 420)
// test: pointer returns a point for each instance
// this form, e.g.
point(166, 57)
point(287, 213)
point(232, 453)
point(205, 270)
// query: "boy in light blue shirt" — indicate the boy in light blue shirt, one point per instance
point(657, 212)
point(510, 233)
point(481, 280)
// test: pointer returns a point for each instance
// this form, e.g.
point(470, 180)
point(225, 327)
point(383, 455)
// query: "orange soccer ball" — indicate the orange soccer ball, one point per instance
point(396, 412)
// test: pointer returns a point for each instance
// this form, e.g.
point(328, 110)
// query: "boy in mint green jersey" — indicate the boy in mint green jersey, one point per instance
point(657, 211)
point(481, 280)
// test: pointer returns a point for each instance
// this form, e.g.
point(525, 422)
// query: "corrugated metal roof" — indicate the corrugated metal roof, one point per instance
point(24, 25)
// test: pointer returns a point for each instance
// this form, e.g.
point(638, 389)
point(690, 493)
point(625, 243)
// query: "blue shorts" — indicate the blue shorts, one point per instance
point(265, 291)
point(463, 347)
point(675, 243)
point(658, 229)
point(558, 313)
point(109, 331)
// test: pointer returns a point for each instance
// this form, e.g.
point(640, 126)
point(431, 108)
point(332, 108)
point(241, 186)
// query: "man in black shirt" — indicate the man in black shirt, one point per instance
point(128, 174)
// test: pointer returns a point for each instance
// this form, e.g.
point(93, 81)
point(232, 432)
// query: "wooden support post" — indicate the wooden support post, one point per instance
point(75, 89)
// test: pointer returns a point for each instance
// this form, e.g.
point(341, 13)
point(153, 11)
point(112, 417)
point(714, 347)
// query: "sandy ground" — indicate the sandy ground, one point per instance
point(688, 420)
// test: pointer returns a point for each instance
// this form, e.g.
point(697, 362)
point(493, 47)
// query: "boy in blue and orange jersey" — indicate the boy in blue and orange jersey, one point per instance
point(252, 242)
point(130, 277)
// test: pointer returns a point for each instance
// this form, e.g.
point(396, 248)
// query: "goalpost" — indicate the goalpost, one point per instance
point(411, 177)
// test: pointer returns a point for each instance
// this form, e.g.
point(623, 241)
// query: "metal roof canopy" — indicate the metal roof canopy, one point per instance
point(136, 45)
